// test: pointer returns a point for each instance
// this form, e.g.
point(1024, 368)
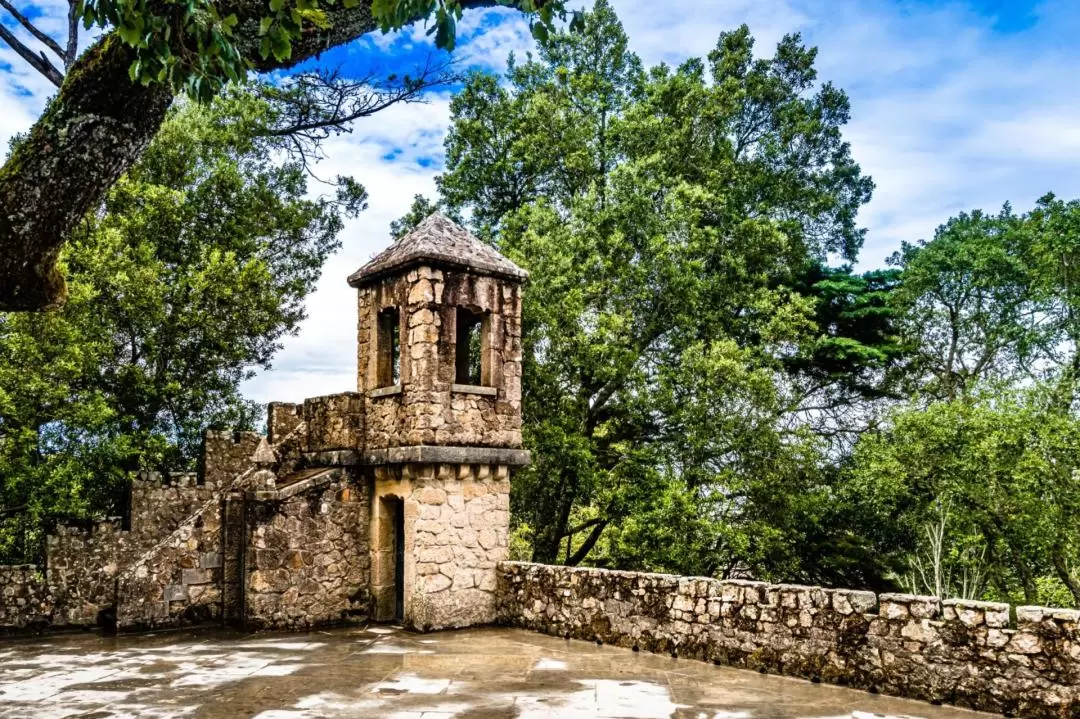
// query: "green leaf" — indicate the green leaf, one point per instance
point(446, 32)
point(282, 47)
point(129, 34)
point(540, 32)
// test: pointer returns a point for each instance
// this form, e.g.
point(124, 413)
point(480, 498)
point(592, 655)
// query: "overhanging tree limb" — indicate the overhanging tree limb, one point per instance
point(32, 29)
point(97, 126)
point(39, 61)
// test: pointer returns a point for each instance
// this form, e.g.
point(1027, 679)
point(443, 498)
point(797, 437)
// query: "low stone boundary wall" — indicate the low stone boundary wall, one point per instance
point(77, 585)
point(971, 654)
point(25, 598)
point(178, 580)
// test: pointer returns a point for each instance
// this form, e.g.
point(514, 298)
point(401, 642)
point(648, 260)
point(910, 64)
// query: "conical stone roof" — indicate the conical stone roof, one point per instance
point(440, 242)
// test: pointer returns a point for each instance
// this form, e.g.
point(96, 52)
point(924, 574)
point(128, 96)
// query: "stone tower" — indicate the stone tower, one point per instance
point(439, 377)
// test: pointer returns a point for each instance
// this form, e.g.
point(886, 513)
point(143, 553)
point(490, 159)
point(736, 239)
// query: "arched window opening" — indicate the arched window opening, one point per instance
point(389, 347)
point(471, 362)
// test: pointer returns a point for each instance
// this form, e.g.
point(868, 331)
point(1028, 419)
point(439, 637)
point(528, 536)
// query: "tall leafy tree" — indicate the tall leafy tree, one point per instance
point(182, 286)
point(1052, 244)
point(967, 304)
point(981, 493)
point(672, 220)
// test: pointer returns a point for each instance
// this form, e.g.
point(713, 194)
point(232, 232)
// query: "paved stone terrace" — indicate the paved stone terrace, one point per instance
point(384, 672)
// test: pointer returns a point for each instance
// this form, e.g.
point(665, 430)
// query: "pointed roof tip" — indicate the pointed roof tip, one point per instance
point(264, 453)
point(441, 242)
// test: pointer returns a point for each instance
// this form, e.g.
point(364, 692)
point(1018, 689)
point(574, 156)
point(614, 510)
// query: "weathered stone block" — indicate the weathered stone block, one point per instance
point(210, 560)
point(176, 593)
point(197, 576)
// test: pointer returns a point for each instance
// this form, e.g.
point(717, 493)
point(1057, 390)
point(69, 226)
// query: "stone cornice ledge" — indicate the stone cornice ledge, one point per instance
point(420, 454)
point(474, 389)
point(425, 454)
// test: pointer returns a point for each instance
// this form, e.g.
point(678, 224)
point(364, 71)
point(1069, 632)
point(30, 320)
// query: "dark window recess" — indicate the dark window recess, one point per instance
point(471, 348)
point(389, 357)
point(399, 560)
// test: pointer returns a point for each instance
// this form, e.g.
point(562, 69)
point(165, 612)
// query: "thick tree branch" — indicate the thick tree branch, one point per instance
point(583, 551)
point(93, 130)
point(38, 61)
point(30, 27)
point(581, 527)
point(72, 50)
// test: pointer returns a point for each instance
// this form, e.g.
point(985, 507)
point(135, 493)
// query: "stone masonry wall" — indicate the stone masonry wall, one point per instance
point(334, 422)
point(456, 520)
point(429, 408)
point(956, 652)
point(178, 580)
point(81, 564)
point(179, 577)
point(25, 598)
point(226, 455)
point(83, 561)
point(307, 558)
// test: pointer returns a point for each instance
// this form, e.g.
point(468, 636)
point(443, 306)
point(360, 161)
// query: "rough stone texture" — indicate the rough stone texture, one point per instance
point(25, 598)
point(456, 531)
point(84, 561)
point(308, 558)
point(334, 422)
point(172, 573)
point(178, 580)
point(227, 454)
point(81, 564)
point(428, 454)
point(955, 652)
point(193, 573)
point(428, 410)
point(283, 418)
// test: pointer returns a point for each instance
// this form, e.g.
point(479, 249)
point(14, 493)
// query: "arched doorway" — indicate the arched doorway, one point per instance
point(388, 573)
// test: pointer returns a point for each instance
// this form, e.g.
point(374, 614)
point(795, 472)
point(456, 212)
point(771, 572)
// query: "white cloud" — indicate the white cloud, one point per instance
point(321, 359)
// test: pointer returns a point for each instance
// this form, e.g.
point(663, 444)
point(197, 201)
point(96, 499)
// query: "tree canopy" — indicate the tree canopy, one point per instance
point(113, 98)
point(186, 282)
point(685, 344)
point(710, 388)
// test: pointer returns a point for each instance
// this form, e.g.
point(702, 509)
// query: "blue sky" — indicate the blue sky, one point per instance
point(955, 105)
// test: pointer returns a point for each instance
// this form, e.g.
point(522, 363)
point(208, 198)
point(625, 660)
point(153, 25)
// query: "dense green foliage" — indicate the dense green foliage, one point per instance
point(709, 387)
point(976, 477)
point(986, 490)
point(197, 44)
point(705, 393)
point(687, 350)
point(186, 281)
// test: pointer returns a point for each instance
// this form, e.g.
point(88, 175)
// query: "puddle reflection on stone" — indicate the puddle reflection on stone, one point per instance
point(386, 672)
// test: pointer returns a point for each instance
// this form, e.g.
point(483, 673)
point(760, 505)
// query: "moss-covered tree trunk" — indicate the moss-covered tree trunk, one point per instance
point(88, 135)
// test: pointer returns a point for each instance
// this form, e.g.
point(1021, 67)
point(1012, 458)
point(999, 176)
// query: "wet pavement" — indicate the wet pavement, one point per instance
point(385, 672)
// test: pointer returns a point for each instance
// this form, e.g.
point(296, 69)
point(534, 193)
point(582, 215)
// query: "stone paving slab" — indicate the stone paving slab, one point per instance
point(385, 672)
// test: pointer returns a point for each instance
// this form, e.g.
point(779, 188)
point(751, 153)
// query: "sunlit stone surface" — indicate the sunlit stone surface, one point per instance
point(378, 672)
